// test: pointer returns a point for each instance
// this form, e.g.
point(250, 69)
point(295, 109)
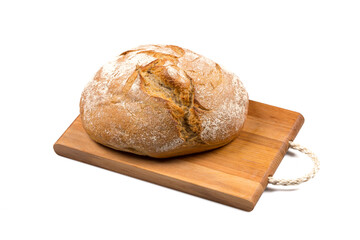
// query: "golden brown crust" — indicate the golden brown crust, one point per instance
point(163, 101)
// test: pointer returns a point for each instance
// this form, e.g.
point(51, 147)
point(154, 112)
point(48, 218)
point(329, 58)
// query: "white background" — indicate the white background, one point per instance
point(299, 55)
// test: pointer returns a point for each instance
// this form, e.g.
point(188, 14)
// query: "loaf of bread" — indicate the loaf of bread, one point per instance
point(163, 101)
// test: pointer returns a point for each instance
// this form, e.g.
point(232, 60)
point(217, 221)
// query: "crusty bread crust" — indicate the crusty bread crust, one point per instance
point(163, 101)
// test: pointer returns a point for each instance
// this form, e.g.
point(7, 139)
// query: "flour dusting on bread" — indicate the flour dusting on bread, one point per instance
point(163, 101)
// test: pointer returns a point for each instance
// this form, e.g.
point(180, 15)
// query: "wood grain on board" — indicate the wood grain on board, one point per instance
point(235, 175)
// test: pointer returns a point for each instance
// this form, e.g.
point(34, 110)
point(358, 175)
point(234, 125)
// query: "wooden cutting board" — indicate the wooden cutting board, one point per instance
point(235, 175)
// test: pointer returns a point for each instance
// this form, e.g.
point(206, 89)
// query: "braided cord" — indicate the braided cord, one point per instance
point(305, 178)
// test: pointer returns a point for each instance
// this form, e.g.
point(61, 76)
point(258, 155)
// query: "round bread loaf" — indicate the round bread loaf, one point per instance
point(163, 101)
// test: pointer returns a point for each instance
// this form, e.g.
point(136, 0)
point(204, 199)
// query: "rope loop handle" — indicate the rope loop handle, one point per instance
point(307, 177)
